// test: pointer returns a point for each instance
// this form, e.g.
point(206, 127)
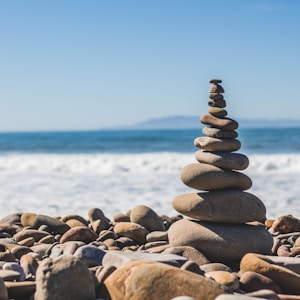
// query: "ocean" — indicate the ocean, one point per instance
point(60, 173)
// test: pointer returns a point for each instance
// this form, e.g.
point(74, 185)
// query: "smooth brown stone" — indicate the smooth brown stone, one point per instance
point(56, 226)
point(23, 289)
point(120, 217)
point(79, 233)
point(26, 233)
point(189, 252)
point(221, 123)
point(263, 294)
point(225, 206)
point(216, 88)
point(225, 278)
point(218, 112)
point(286, 224)
point(73, 223)
point(9, 275)
point(218, 133)
point(155, 236)
point(221, 103)
point(74, 217)
point(223, 160)
point(215, 145)
point(221, 242)
point(98, 220)
point(207, 177)
point(131, 230)
point(167, 282)
point(209, 267)
point(147, 217)
point(28, 219)
point(285, 271)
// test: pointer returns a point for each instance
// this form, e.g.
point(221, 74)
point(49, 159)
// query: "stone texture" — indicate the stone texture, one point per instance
point(221, 242)
point(216, 88)
point(219, 133)
point(162, 282)
point(147, 217)
point(285, 271)
point(157, 236)
point(215, 96)
point(225, 278)
point(218, 112)
point(90, 255)
point(224, 160)
point(56, 226)
point(64, 278)
point(209, 178)
point(79, 233)
point(227, 206)
point(214, 267)
point(286, 224)
point(20, 290)
point(214, 144)
point(220, 123)
point(132, 230)
point(221, 103)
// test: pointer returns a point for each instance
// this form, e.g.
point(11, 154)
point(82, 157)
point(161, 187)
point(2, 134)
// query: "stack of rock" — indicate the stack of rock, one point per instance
point(223, 214)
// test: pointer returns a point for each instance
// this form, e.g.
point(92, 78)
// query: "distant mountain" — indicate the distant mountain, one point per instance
point(191, 122)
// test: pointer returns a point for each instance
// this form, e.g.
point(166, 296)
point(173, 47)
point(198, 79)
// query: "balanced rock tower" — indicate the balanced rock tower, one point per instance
point(222, 214)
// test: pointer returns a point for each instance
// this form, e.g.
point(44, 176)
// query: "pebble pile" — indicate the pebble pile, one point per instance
point(220, 246)
point(223, 207)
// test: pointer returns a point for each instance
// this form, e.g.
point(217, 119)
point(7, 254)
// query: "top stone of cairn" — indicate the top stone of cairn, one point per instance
point(216, 81)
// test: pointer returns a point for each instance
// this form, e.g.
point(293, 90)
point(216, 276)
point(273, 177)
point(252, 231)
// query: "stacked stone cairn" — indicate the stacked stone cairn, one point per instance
point(225, 218)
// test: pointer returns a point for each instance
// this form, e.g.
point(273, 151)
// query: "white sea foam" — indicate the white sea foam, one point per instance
point(69, 183)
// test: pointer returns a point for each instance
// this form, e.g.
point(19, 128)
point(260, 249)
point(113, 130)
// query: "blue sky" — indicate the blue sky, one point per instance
point(88, 64)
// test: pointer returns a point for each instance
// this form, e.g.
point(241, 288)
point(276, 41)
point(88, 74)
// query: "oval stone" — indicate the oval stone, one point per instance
point(214, 80)
point(221, 103)
point(226, 206)
point(221, 123)
point(147, 217)
point(167, 282)
point(216, 88)
point(218, 133)
point(131, 230)
point(215, 96)
point(207, 177)
point(224, 243)
point(217, 112)
point(223, 160)
point(214, 144)
point(79, 233)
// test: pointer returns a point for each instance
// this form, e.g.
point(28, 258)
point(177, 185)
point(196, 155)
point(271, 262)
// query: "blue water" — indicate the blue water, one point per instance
point(254, 141)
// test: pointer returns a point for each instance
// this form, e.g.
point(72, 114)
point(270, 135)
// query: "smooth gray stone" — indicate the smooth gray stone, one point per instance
point(208, 178)
point(218, 133)
point(155, 236)
point(225, 206)
point(215, 80)
point(91, 255)
point(221, 103)
point(216, 88)
point(119, 258)
point(221, 123)
point(223, 160)
point(215, 145)
point(221, 242)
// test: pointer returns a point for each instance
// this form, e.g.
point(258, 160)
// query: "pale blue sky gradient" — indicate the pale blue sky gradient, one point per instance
point(87, 64)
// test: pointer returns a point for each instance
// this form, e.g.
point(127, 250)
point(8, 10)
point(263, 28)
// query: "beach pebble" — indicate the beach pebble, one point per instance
point(10, 275)
point(216, 81)
point(120, 217)
point(33, 233)
point(155, 236)
point(210, 178)
point(214, 144)
point(90, 255)
point(131, 230)
point(16, 267)
point(98, 220)
point(79, 233)
point(64, 278)
point(264, 294)
point(56, 225)
point(28, 219)
point(3, 290)
point(209, 267)
point(220, 123)
point(29, 264)
point(21, 289)
point(216, 88)
point(219, 133)
point(251, 281)
point(221, 242)
point(215, 96)
point(225, 278)
point(74, 217)
point(189, 252)
point(284, 271)
point(122, 283)
point(218, 112)
point(224, 160)
point(286, 224)
point(147, 217)
point(119, 258)
point(227, 206)
point(221, 103)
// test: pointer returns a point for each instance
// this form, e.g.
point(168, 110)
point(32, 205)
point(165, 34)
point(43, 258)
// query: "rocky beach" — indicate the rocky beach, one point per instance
point(219, 245)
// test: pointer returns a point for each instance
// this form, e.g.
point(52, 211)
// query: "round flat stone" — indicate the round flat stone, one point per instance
point(208, 178)
point(221, 123)
point(223, 160)
point(131, 230)
point(215, 96)
point(218, 112)
point(226, 206)
point(221, 242)
point(219, 133)
point(214, 144)
point(214, 80)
